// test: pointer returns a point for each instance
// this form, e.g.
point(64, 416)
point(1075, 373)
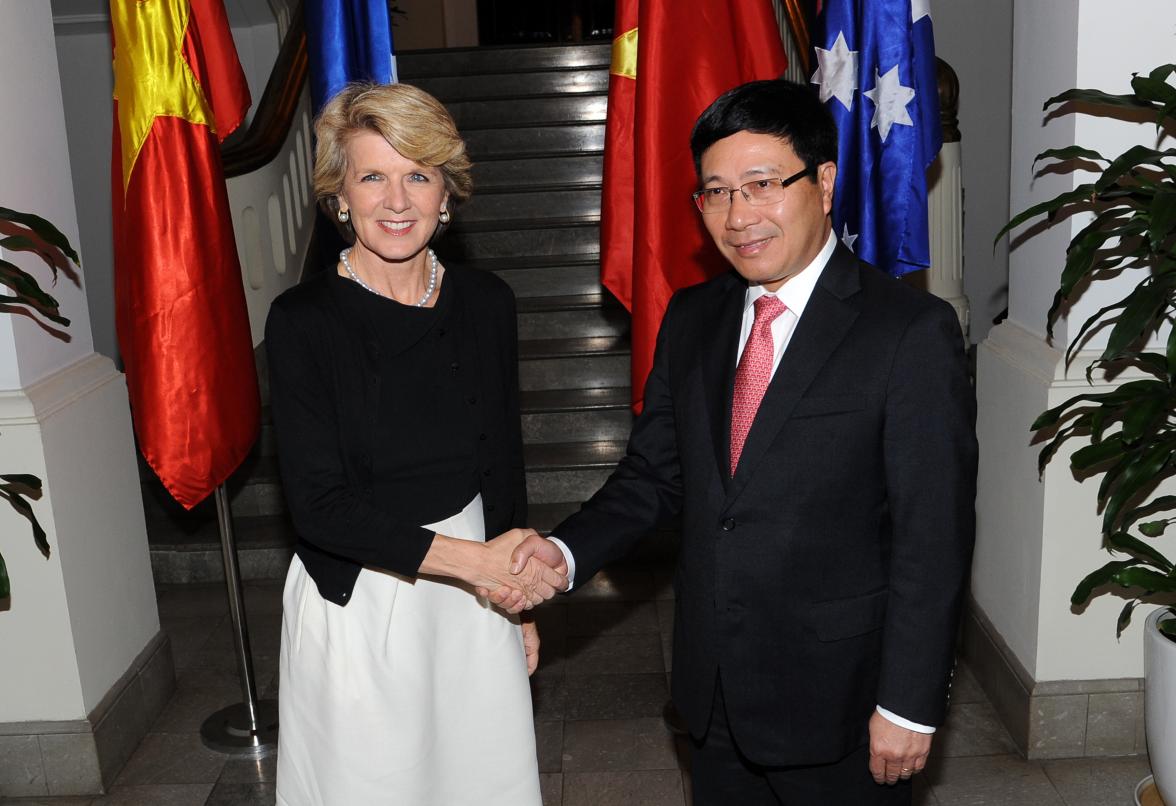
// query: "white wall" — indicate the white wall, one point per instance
point(32, 126)
point(1037, 539)
point(76, 621)
point(975, 38)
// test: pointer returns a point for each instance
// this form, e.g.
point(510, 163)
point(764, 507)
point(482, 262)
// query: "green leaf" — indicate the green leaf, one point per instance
point(19, 243)
point(1141, 420)
point(1153, 90)
point(1168, 627)
point(1069, 153)
point(1098, 98)
point(1097, 453)
point(1153, 528)
point(1047, 207)
point(17, 502)
point(1148, 580)
point(1098, 578)
point(27, 479)
point(1124, 542)
point(28, 293)
point(1163, 218)
point(1160, 504)
point(1136, 475)
point(45, 230)
point(1124, 619)
point(1132, 157)
point(5, 586)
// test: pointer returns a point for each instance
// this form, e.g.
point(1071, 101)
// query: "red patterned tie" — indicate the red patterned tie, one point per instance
point(753, 374)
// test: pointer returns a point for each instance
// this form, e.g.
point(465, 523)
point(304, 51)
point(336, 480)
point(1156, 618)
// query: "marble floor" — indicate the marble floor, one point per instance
point(598, 694)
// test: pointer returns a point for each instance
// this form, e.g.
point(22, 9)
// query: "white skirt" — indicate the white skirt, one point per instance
point(414, 694)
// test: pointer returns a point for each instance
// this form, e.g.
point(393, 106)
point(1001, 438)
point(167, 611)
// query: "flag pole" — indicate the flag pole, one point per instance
point(249, 727)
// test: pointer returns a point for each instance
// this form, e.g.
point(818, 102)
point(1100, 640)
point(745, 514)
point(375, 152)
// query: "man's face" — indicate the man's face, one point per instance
point(767, 244)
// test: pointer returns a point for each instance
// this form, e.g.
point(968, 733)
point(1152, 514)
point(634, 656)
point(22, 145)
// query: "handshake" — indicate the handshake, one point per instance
point(521, 569)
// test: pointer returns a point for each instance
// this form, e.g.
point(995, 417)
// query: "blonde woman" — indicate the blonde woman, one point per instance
point(395, 401)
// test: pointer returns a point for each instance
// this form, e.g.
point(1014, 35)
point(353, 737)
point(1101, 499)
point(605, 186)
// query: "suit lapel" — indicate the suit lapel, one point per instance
point(718, 368)
point(828, 316)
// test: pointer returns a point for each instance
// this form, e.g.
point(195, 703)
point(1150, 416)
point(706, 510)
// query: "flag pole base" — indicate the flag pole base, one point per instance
point(234, 731)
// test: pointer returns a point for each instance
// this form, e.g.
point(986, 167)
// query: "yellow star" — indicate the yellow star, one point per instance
point(624, 55)
point(151, 77)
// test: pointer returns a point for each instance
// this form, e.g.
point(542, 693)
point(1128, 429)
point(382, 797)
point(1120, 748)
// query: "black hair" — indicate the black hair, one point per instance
point(784, 109)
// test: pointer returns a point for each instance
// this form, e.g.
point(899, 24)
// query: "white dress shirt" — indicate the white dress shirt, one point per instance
point(795, 295)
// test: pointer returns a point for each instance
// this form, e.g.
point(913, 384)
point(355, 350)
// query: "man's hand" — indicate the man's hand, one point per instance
point(896, 752)
point(534, 583)
point(534, 552)
point(531, 646)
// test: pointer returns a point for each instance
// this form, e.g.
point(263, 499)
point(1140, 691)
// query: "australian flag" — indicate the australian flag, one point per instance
point(347, 40)
point(876, 72)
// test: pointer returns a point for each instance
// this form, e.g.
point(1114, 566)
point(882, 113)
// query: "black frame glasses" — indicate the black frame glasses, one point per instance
point(700, 196)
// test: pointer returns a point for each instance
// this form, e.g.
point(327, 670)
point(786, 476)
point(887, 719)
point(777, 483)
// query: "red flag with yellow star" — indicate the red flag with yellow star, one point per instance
point(183, 328)
point(669, 61)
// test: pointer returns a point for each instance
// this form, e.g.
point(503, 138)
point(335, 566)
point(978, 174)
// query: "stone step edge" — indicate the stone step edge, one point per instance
point(556, 304)
point(533, 155)
point(538, 401)
point(550, 457)
point(505, 191)
point(586, 346)
point(529, 262)
point(461, 226)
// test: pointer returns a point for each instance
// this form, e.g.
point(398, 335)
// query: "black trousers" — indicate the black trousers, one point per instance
point(722, 775)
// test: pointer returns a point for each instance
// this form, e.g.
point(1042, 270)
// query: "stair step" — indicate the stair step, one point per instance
point(534, 141)
point(571, 400)
point(584, 363)
point(470, 240)
point(576, 415)
point(604, 318)
point(504, 205)
point(528, 110)
point(569, 81)
point(264, 547)
point(538, 172)
point(570, 471)
point(412, 64)
point(545, 275)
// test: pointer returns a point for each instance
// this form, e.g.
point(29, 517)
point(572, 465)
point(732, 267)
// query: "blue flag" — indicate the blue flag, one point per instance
point(876, 72)
point(347, 40)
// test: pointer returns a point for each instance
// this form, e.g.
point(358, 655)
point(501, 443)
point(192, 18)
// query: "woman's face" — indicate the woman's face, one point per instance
point(394, 202)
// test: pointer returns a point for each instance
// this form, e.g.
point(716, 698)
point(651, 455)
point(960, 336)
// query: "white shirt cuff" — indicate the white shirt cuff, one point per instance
point(898, 720)
point(568, 558)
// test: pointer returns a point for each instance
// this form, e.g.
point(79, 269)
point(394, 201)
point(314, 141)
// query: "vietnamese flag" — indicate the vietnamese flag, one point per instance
point(183, 327)
point(669, 61)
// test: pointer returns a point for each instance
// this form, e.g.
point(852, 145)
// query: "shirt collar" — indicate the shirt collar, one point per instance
point(796, 291)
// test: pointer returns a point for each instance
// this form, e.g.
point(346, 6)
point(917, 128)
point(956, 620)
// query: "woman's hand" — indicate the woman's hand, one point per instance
point(531, 646)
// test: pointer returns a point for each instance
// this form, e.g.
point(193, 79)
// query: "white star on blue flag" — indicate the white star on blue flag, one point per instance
point(876, 73)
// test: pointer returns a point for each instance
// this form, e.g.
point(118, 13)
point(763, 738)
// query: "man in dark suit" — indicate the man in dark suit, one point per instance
point(811, 420)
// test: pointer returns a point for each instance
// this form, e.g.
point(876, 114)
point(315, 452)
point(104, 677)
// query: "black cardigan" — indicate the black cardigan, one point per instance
point(324, 391)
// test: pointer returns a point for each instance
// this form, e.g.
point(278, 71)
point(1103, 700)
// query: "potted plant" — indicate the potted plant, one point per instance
point(24, 232)
point(1131, 429)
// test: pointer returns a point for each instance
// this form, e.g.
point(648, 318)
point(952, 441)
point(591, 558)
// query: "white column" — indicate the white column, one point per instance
point(76, 622)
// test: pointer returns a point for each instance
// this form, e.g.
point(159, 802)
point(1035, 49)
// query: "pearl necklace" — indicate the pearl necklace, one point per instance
point(432, 285)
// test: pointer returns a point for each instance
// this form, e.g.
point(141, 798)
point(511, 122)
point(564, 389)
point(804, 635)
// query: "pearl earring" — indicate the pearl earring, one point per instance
point(344, 216)
point(444, 216)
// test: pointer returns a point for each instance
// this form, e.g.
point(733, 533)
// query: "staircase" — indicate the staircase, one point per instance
point(533, 120)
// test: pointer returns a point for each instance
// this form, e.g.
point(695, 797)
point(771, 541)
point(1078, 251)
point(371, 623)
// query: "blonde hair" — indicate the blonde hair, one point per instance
point(412, 121)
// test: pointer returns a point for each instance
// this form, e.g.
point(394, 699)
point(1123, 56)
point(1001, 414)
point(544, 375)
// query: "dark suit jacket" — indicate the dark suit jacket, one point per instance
point(825, 578)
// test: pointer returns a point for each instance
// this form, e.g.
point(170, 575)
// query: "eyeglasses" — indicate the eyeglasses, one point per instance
point(756, 192)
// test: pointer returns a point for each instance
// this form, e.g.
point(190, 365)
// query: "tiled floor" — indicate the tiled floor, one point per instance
point(599, 694)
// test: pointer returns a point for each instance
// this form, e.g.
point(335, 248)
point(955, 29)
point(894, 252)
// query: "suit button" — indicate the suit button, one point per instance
point(489, 507)
point(482, 437)
point(472, 399)
point(487, 472)
point(728, 524)
point(455, 366)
